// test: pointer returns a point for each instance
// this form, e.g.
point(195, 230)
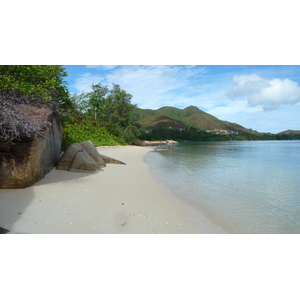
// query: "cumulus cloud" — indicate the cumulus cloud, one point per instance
point(156, 85)
point(270, 94)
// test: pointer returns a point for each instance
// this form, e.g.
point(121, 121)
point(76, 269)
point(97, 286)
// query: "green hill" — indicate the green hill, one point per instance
point(289, 131)
point(188, 117)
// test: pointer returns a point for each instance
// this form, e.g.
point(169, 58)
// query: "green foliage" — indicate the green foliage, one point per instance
point(45, 81)
point(74, 111)
point(172, 112)
point(191, 134)
point(110, 109)
point(89, 131)
point(194, 134)
point(96, 102)
point(291, 136)
point(162, 133)
point(131, 134)
point(119, 107)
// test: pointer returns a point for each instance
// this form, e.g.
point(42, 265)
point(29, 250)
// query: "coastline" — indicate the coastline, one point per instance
point(119, 199)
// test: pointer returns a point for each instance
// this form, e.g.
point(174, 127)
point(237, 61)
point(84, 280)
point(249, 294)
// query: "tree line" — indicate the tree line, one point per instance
point(195, 135)
point(190, 134)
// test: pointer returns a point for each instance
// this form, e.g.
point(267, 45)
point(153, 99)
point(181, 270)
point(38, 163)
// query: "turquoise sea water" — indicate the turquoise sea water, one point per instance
point(243, 187)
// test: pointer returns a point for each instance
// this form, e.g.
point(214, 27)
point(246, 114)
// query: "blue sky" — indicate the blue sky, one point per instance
point(264, 98)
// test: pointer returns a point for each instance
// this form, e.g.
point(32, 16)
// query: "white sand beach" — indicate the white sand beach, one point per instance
point(119, 199)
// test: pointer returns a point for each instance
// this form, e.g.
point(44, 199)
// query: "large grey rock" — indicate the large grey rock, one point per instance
point(68, 156)
point(76, 159)
point(84, 157)
point(84, 163)
point(89, 147)
point(22, 163)
point(110, 160)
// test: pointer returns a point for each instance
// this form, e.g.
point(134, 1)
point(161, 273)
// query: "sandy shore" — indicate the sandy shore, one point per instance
point(118, 199)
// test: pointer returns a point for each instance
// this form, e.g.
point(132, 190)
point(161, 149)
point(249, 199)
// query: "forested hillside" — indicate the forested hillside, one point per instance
point(183, 118)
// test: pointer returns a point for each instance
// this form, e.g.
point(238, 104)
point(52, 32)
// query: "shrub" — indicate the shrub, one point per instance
point(89, 131)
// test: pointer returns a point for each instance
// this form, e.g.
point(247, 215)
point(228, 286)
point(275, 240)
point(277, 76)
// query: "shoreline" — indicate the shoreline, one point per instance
point(118, 199)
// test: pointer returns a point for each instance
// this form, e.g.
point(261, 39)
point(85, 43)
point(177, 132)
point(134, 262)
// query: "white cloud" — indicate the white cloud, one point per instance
point(83, 82)
point(247, 85)
point(102, 67)
point(270, 94)
point(230, 111)
point(156, 86)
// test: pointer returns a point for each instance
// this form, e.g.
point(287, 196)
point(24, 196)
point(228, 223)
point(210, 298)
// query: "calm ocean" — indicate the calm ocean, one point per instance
point(243, 187)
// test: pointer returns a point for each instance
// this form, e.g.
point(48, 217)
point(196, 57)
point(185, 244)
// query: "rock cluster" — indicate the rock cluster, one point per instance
point(156, 143)
point(84, 158)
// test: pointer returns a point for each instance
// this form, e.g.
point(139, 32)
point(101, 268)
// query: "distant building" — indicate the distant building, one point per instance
point(223, 132)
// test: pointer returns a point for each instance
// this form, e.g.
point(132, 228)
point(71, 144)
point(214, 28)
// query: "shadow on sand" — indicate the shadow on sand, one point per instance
point(14, 201)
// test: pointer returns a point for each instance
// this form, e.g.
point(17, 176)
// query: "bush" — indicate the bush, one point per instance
point(89, 131)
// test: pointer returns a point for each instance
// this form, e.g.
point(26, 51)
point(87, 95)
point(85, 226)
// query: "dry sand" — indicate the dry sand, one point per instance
point(118, 199)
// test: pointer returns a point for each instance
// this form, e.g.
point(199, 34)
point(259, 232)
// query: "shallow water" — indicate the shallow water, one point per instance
point(243, 187)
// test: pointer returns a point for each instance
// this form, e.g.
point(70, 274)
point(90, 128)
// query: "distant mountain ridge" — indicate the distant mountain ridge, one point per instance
point(190, 116)
point(289, 131)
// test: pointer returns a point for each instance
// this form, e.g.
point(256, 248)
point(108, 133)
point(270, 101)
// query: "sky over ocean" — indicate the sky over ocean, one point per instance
point(265, 98)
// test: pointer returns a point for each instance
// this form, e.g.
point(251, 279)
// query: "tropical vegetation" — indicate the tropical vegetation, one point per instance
point(104, 114)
